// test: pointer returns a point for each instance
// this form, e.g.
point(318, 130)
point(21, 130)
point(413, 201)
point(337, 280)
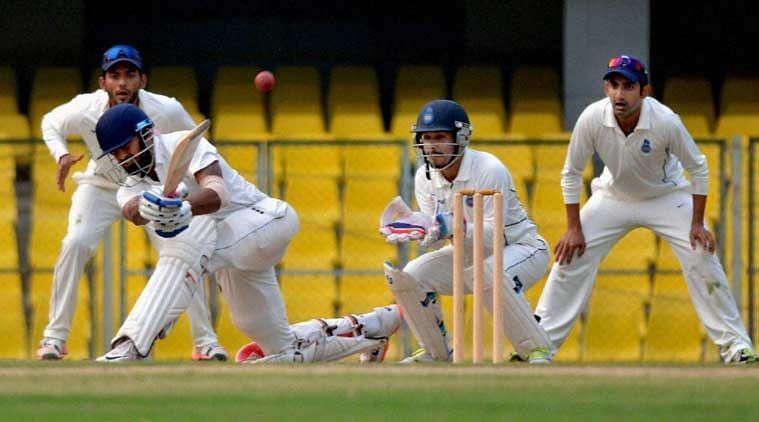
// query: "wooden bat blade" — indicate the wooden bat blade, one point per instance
point(182, 156)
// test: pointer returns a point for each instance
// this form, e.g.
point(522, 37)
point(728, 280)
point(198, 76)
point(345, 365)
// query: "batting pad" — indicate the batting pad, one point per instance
point(519, 323)
point(421, 311)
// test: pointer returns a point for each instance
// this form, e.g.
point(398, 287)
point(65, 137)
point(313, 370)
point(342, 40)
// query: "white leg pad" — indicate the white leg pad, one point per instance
point(519, 323)
point(166, 296)
point(421, 311)
point(172, 285)
point(318, 347)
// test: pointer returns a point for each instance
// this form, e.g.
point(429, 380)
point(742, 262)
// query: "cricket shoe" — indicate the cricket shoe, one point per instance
point(538, 356)
point(421, 356)
point(210, 352)
point(52, 349)
point(390, 320)
point(124, 351)
point(747, 356)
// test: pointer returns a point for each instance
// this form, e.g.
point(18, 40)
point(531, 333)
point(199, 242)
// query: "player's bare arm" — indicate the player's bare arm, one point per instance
point(208, 199)
point(64, 165)
point(698, 231)
point(573, 240)
point(131, 212)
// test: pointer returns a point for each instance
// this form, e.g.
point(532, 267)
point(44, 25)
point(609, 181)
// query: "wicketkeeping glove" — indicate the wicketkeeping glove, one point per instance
point(399, 224)
point(441, 229)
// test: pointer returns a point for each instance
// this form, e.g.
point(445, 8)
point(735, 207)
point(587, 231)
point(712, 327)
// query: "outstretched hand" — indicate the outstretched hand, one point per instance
point(573, 240)
point(64, 165)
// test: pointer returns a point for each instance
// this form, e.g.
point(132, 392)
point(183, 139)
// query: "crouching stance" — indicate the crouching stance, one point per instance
point(442, 134)
point(216, 223)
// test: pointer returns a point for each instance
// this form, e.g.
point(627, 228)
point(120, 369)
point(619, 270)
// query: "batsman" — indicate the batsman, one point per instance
point(217, 223)
point(441, 135)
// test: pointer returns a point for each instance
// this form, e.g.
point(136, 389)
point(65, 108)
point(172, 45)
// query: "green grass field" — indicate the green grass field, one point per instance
point(186, 391)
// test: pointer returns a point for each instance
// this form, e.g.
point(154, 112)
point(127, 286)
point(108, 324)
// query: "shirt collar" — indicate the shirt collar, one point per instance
point(465, 171)
point(644, 121)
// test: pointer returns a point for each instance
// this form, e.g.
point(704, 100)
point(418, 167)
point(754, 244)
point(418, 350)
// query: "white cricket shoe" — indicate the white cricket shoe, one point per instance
point(124, 351)
point(52, 349)
point(390, 320)
point(210, 352)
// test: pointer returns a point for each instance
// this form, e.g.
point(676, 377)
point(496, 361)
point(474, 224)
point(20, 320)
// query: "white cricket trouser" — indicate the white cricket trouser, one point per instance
point(523, 265)
point(605, 219)
point(250, 244)
point(93, 210)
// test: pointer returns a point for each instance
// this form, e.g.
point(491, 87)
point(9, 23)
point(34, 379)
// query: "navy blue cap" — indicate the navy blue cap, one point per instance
point(118, 125)
point(121, 53)
point(629, 67)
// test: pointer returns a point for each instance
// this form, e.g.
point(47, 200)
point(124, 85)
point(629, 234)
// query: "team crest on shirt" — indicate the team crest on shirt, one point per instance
point(645, 147)
point(469, 201)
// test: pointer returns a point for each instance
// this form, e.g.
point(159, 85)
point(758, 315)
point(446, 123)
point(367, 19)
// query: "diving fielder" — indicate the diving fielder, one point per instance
point(93, 204)
point(442, 133)
point(225, 226)
point(644, 146)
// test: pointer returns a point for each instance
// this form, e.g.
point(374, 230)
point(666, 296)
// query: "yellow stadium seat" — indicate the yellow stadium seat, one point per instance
point(739, 107)
point(516, 155)
point(362, 293)
point(14, 127)
point(480, 91)
point(178, 82)
point(308, 296)
point(674, 331)
point(51, 87)
point(296, 106)
point(234, 126)
point(353, 104)
point(233, 92)
point(12, 318)
point(535, 102)
point(616, 320)
point(362, 246)
point(691, 99)
point(243, 157)
point(414, 87)
point(635, 251)
point(373, 159)
point(8, 91)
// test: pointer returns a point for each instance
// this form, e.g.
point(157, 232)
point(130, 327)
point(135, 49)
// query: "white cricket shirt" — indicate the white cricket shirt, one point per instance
point(646, 164)
point(80, 115)
point(479, 170)
point(242, 193)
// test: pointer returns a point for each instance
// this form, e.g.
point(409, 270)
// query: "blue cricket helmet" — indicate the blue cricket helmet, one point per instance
point(118, 125)
point(122, 53)
point(441, 116)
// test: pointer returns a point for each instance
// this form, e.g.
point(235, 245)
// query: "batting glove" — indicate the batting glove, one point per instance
point(169, 216)
point(172, 227)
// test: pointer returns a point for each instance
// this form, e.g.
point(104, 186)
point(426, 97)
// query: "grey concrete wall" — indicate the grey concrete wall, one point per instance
point(595, 31)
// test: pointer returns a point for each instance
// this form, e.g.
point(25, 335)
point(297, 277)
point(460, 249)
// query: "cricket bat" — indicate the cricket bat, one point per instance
point(182, 156)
